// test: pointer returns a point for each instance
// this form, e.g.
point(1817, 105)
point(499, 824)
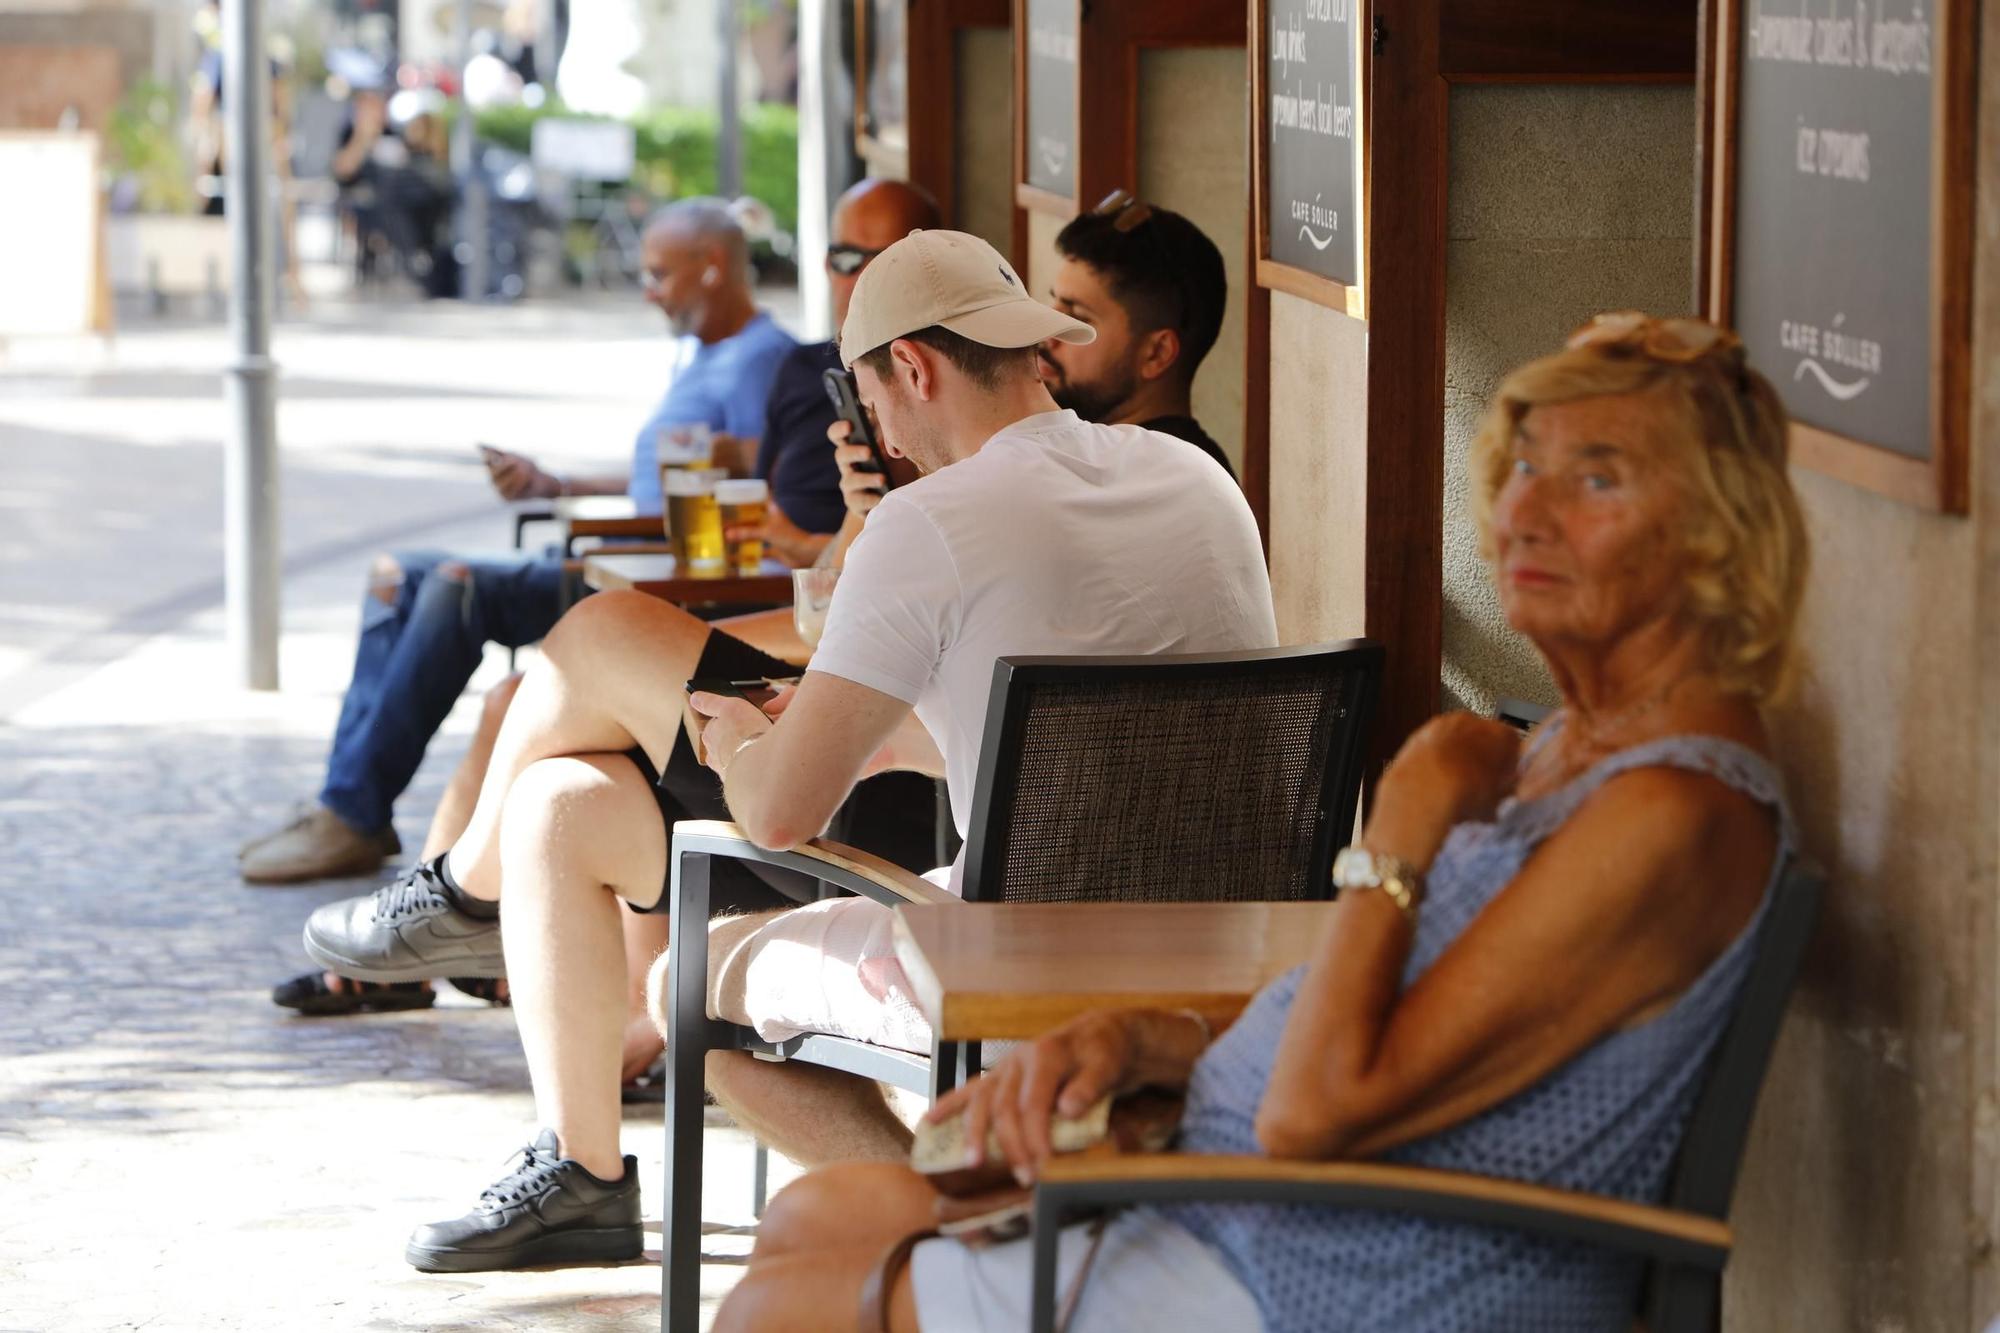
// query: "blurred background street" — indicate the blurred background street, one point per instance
point(177, 1152)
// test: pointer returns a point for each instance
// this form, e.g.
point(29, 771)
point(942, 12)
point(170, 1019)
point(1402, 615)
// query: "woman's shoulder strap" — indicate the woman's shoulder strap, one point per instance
point(1730, 762)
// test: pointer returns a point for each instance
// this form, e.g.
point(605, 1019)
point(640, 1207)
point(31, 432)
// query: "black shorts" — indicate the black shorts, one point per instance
point(892, 815)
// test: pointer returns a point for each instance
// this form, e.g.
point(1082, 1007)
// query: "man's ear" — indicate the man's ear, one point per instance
point(910, 362)
point(1159, 352)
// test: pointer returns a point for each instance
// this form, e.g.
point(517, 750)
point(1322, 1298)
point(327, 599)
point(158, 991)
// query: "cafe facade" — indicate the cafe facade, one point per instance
point(1412, 200)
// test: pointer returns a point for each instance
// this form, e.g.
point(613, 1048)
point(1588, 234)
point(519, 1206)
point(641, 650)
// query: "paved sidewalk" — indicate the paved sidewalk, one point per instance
point(176, 1152)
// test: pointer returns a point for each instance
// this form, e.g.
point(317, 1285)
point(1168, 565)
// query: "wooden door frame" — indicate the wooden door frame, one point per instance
point(931, 30)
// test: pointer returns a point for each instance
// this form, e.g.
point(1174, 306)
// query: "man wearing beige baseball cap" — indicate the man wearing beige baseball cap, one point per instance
point(1031, 532)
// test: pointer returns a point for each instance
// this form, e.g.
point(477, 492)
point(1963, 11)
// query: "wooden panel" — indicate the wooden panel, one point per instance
point(838, 856)
point(927, 149)
point(992, 971)
point(1113, 33)
point(1257, 391)
point(1691, 1227)
point(1404, 273)
point(1559, 41)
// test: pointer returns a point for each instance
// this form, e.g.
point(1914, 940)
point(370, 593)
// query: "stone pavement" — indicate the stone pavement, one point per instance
point(175, 1152)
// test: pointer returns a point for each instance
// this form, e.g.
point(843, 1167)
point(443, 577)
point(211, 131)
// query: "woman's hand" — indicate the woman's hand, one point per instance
point(1063, 1073)
point(861, 490)
point(1456, 768)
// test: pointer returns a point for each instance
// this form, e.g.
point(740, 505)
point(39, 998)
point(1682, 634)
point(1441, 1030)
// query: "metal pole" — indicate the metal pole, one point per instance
point(471, 182)
point(729, 130)
point(250, 467)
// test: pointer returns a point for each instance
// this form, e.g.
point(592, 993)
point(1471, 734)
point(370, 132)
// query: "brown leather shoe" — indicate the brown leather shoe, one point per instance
point(318, 845)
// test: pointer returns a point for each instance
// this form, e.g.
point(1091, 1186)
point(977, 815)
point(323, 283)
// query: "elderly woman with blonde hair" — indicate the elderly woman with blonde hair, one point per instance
point(1535, 951)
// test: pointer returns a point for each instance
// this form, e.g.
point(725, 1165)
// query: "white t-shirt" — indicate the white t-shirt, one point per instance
point(1059, 537)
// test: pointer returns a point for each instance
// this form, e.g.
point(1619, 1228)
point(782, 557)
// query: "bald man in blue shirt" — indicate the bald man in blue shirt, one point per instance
point(428, 616)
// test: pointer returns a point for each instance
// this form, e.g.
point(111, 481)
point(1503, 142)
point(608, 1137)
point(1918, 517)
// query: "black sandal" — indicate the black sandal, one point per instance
point(493, 990)
point(310, 995)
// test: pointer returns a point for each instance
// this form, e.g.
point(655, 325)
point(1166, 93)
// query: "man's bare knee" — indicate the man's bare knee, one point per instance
point(656, 992)
point(609, 620)
point(498, 699)
point(385, 579)
point(807, 1214)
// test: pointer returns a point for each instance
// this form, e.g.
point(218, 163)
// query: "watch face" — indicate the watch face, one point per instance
point(1354, 868)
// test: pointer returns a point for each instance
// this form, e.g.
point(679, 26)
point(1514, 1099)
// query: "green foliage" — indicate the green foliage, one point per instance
point(676, 152)
point(143, 143)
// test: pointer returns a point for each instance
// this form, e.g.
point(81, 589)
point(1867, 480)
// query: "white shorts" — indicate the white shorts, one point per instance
point(1150, 1276)
point(831, 967)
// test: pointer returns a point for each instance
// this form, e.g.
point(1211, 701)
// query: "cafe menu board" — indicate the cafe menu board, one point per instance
point(1309, 63)
point(1051, 97)
point(1840, 259)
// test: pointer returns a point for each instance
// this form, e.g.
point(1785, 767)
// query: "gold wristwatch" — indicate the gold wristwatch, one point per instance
point(1359, 868)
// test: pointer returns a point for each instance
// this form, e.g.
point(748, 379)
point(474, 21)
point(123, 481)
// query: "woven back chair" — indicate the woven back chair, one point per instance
point(1170, 778)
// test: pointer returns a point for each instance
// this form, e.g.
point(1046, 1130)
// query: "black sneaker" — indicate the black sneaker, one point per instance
point(548, 1210)
point(405, 931)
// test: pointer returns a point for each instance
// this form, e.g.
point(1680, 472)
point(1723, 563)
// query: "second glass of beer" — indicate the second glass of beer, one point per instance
point(745, 509)
point(694, 523)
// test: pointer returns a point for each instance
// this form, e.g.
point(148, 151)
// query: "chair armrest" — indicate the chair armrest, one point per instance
point(845, 867)
point(1072, 1184)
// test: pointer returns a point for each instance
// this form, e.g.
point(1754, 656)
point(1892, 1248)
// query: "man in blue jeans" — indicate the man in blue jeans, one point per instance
point(427, 616)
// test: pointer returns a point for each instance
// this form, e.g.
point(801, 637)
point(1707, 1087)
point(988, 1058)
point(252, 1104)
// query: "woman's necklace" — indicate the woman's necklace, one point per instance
point(1585, 745)
point(1599, 726)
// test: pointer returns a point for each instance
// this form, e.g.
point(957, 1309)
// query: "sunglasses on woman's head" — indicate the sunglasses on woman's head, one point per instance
point(848, 260)
point(1672, 340)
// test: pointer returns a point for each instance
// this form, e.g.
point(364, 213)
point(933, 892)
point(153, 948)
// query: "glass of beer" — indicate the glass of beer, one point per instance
point(694, 523)
point(812, 594)
point(745, 505)
point(683, 444)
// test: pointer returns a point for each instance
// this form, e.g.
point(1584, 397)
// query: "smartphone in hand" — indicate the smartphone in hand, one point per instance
point(759, 691)
point(847, 405)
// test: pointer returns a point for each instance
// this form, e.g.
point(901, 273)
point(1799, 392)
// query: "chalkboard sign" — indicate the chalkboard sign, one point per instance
point(1843, 250)
point(1308, 111)
point(1049, 151)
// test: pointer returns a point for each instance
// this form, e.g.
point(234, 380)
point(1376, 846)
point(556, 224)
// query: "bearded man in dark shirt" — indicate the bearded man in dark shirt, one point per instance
point(1153, 287)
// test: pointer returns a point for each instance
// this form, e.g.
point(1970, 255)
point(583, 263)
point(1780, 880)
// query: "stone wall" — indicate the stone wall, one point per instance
point(985, 203)
point(1564, 201)
point(1194, 114)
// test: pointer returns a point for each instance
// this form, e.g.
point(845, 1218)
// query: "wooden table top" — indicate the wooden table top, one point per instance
point(991, 971)
point(660, 576)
